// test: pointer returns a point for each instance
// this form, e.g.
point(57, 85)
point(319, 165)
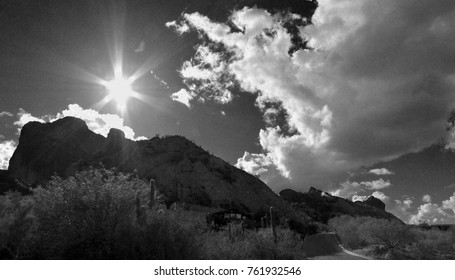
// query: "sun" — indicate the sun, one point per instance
point(119, 89)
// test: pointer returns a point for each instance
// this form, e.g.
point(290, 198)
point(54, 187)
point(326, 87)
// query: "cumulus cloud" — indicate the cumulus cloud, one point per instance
point(449, 204)
point(380, 171)
point(6, 114)
point(183, 96)
point(426, 198)
point(24, 118)
point(379, 195)
point(429, 212)
point(354, 99)
point(352, 189)
point(6, 152)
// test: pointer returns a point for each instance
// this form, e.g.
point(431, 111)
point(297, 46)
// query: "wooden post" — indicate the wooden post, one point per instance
point(262, 222)
point(266, 220)
point(272, 222)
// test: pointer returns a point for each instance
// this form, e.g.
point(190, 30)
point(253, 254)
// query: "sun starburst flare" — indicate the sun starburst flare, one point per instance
point(119, 90)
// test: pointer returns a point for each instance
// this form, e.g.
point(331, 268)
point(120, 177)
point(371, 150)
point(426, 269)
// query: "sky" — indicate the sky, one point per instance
point(295, 95)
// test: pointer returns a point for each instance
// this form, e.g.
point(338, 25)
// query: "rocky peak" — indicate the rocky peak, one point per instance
point(375, 202)
point(48, 148)
point(115, 138)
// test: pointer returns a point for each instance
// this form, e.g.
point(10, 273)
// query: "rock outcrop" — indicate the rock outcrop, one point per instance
point(322, 206)
point(182, 170)
point(375, 202)
point(48, 149)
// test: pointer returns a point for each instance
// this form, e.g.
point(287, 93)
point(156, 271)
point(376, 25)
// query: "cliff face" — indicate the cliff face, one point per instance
point(48, 149)
point(321, 206)
point(182, 170)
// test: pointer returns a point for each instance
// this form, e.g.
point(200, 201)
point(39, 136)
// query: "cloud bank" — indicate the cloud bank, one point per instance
point(378, 82)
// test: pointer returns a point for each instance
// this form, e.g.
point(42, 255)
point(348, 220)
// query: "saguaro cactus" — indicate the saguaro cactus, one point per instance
point(152, 193)
point(272, 222)
point(140, 215)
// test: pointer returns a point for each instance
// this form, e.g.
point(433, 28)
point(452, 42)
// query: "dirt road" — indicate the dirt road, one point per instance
point(326, 246)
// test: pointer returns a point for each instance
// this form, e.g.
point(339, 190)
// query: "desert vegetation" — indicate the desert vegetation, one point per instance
point(388, 239)
point(104, 214)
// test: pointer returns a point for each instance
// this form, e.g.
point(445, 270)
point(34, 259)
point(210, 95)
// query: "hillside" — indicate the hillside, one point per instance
point(321, 206)
point(183, 171)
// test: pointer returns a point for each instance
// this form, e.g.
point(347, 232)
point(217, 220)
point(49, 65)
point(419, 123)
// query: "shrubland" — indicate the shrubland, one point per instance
point(104, 214)
point(388, 239)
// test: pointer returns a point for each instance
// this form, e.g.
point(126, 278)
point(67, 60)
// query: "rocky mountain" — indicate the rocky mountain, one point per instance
point(182, 170)
point(321, 206)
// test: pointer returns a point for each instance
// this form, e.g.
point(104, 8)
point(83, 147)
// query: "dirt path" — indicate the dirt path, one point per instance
point(326, 246)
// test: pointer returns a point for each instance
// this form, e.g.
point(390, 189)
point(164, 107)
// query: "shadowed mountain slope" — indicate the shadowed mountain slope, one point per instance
point(182, 170)
point(321, 206)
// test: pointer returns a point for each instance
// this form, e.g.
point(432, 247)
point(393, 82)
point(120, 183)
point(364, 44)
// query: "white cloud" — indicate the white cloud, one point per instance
point(183, 96)
point(6, 114)
point(430, 213)
point(380, 171)
point(377, 184)
point(348, 189)
point(352, 189)
point(379, 195)
point(179, 28)
point(426, 198)
point(449, 204)
point(98, 122)
point(24, 118)
point(354, 101)
point(6, 152)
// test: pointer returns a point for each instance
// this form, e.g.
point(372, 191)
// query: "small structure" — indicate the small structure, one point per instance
point(217, 220)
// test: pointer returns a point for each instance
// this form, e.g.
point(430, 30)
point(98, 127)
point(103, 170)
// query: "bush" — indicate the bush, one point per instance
point(350, 230)
point(357, 232)
point(16, 225)
point(96, 215)
point(252, 245)
point(433, 244)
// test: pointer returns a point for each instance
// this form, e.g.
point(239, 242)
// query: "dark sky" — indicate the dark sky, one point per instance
point(253, 82)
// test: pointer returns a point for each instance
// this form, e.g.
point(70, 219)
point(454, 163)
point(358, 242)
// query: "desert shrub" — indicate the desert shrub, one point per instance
point(163, 236)
point(94, 215)
point(251, 245)
point(389, 233)
point(16, 225)
point(350, 230)
point(357, 232)
point(433, 244)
